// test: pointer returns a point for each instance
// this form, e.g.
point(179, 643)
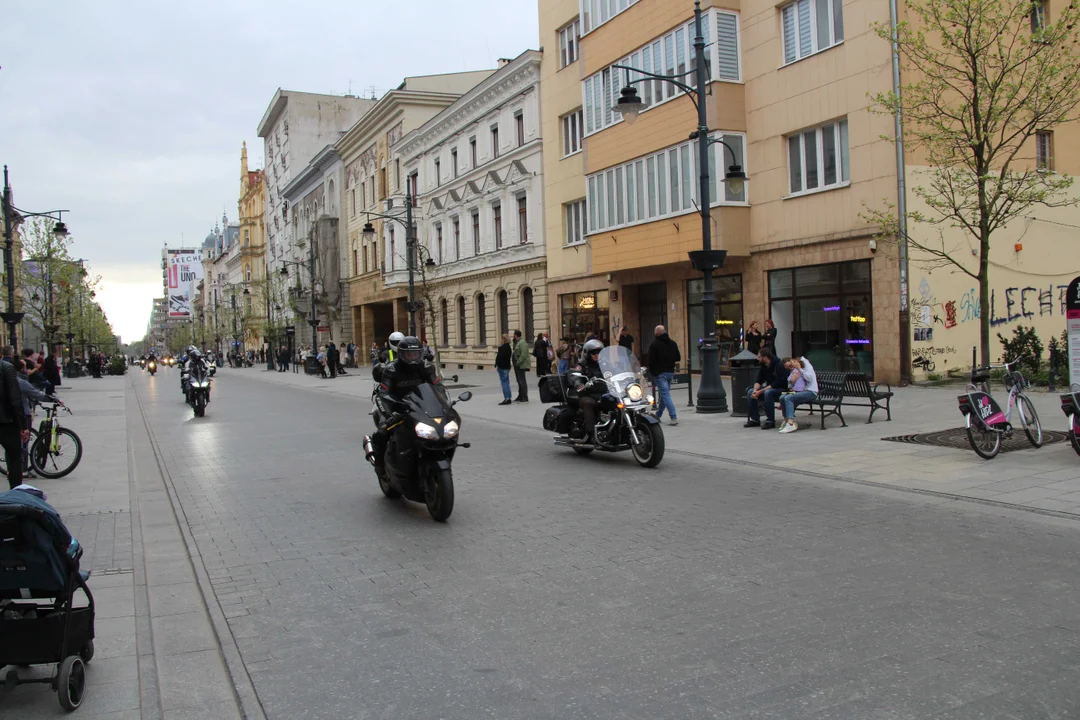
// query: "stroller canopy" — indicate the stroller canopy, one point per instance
point(36, 549)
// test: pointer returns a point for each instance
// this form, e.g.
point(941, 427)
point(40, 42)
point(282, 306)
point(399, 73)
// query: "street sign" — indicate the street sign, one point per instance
point(1072, 320)
point(324, 328)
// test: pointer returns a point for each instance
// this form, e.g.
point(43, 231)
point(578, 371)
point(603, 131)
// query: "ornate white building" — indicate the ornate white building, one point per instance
point(476, 172)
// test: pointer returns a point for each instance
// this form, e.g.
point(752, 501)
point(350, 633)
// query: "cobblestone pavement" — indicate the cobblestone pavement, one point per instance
point(568, 587)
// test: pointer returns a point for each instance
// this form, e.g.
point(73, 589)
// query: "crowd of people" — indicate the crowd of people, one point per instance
point(24, 381)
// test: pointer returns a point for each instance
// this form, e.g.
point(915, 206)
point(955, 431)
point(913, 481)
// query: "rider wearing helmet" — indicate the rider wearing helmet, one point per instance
point(389, 354)
point(397, 379)
point(588, 369)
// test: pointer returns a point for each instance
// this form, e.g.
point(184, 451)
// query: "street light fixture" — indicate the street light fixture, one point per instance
point(410, 248)
point(711, 395)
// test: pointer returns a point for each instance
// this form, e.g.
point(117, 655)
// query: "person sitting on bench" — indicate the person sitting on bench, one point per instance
point(804, 390)
point(770, 385)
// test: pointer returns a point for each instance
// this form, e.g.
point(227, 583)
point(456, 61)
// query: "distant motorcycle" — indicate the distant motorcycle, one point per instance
point(151, 367)
point(198, 388)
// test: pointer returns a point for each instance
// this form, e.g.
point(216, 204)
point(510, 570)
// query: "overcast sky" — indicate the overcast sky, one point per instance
point(132, 116)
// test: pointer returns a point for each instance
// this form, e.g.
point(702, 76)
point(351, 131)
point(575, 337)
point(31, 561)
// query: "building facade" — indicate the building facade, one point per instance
point(788, 98)
point(252, 208)
point(476, 173)
point(372, 177)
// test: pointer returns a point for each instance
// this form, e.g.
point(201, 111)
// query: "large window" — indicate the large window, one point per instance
point(444, 316)
point(810, 26)
point(568, 44)
point(729, 313)
point(461, 321)
point(585, 314)
point(527, 313)
point(575, 222)
point(476, 231)
point(672, 54)
point(660, 185)
point(818, 158)
point(1044, 155)
point(825, 313)
point(595, 13)
point(457, 239)
point(481, 320)
point(523, 219)
point(504, 313)
point(571, 133)
point(496, 218)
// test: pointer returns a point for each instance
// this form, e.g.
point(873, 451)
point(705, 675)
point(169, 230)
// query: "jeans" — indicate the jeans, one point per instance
point(663, 388)
point(504, 380)
point(523, 383)
point(766, 402)
point(13, 452)
point(788, 401)
point(564, 367)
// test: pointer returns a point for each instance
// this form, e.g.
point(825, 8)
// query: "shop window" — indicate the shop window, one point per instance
point(729, 313)
point(585, 314)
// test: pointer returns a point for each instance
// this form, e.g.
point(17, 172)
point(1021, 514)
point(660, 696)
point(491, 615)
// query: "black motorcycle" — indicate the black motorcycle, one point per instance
point(624, 423)
point(423, 429)
point(197, 387)
point(151, 367)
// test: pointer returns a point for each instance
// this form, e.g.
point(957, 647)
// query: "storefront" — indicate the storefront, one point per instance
point(825, 313)
point(585, 313)
point(729, 314)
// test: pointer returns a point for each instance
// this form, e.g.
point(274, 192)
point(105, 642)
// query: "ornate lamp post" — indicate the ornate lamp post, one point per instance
point(313, 320)
point(711, 395)
point(410, 248)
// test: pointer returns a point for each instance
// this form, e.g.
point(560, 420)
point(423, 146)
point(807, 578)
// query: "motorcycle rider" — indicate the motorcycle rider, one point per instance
point(407, 371)
point(389, 354)
point(586, 401)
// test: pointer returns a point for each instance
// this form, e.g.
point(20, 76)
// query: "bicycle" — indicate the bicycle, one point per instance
point(57, 450)
point(923, 362)
point(985, 422)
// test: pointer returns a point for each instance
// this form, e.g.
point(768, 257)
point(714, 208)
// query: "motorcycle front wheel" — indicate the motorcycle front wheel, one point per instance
point(439, 495)
point(200, 406)
point(649, 451)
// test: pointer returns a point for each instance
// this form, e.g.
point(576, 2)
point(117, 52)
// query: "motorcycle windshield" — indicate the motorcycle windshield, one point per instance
point(430, 401)
point(621, 369)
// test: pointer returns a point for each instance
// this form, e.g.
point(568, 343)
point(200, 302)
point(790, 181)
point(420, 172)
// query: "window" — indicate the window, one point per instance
point(1044, 151)
point(414, 181)
point(365, 258)
point(673, 53)
point(571, 133)
point(457, 239)
point(353, 195)
point(1038, 16)
point(355, 262)
point(472, 153)
point(461, 321)
point(481, 320)
point(496, 217)
point(523, 220)
point(568, 44)
point(527, 314)
point(519, 127)
point(363, 193)
point(810, 26)
point(729, 312)
point(595, 13)
point(494, 141)
point(818, 158)
point(453, 161)
point(439, 243)
point(438, 179)
point(575, 222)
point(382, 182)
point(659, 185)
point(444, 312)
point(476, 231)
point(397, 173)
point(247, 237)
point(393, 248)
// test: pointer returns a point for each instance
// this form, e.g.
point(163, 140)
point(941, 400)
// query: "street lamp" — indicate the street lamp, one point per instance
point(60, 231)
point(711, 395)
point(410, 249)
point(313, 320)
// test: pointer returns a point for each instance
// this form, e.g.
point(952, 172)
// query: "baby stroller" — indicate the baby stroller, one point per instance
point(40, 560)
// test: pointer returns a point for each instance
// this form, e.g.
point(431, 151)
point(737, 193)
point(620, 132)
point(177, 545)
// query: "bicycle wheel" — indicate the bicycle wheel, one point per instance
point(49, 463)
point(1030, 420)
point(3, 455)
point(985, 442)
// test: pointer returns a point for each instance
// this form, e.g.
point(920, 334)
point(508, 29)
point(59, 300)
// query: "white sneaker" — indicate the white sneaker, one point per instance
point(673, 422)
point(789, 428)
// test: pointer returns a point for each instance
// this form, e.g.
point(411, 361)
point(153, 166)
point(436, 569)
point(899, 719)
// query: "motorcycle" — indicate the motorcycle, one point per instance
point(424, 429)
point(151, 367)
point(1070, 405)
point(198, 388)
point(624, 421)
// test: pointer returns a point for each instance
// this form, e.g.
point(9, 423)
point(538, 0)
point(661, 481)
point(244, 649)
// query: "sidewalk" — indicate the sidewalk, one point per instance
point(1045, 480)
point(156, 653)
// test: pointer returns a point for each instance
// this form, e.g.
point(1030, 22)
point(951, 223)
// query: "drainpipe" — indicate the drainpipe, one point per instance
point(901, 208)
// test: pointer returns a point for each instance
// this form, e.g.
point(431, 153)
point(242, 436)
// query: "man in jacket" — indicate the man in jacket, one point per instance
point(770, 384)
point(522, 363)
point(663, 357)
point(332, 359)
point(504, 363)
point(13, 428)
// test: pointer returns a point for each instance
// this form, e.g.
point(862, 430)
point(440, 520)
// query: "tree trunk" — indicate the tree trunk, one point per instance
point(984, 300)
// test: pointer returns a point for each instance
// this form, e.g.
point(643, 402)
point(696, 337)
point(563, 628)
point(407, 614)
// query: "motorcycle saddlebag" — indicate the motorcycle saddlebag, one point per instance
point(551, 418)
point(565, 419)
point(552, 389)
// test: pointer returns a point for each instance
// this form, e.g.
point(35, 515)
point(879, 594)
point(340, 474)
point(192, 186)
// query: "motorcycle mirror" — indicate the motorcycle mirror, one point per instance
point(465, 396)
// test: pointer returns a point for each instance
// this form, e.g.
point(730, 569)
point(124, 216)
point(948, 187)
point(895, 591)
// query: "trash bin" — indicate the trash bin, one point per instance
point(312, 366)
point(744, 367)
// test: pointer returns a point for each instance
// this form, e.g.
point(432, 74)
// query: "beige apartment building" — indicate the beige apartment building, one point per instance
point(374, 178)
point(788, 95)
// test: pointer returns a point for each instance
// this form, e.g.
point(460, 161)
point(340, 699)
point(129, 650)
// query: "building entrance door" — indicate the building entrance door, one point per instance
point(652, 311)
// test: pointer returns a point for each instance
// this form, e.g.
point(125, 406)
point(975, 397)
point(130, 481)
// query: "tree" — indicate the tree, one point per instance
point(52, 268)
point(985, 77)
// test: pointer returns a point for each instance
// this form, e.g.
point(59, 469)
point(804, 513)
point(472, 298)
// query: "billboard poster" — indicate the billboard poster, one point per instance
point(184, 270)
point(1072, 318)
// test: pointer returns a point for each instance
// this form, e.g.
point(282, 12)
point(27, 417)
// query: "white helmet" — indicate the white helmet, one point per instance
point(395, 338)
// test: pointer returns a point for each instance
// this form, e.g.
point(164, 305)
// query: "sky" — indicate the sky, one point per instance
point(131, 116)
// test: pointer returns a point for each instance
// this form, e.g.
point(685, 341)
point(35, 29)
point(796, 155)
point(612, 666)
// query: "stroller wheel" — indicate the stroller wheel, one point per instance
point(87, 653)
point(71, 682)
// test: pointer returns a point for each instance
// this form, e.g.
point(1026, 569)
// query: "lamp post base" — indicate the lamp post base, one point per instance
point(711, 397)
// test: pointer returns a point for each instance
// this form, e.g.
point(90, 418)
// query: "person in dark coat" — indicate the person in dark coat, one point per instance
point(52, 370)
point(13, 428)
point(540, 352)
point(332, 359)
point(504, 363)
point(663, 357)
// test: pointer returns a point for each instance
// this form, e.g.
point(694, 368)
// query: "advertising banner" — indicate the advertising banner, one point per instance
point(184, 270)
point(1072, 318)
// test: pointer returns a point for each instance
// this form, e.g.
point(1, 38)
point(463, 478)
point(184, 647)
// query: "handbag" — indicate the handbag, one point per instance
point(550, 353)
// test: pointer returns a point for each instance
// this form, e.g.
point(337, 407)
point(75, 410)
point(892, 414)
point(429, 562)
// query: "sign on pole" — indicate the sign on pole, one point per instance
point(1072, 319)
point(184, 271)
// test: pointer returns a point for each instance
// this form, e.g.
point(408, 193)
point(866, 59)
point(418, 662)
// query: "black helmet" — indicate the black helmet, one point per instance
point(410, 351)
point(592, 347)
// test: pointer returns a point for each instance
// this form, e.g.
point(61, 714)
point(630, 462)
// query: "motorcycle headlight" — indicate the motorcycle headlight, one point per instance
point(634, 392)
point(649, 399)
point(426, 432)
point(451, 429)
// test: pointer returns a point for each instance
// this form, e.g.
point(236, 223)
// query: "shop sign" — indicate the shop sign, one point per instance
point(857, 341)
point(831, 308)
point(587, 303)
point(857, 319)
point(725, 322)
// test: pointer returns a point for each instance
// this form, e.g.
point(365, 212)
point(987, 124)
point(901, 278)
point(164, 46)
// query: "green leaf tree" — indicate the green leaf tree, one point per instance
point(984, 77)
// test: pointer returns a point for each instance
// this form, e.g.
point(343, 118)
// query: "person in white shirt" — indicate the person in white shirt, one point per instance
point(804, 391)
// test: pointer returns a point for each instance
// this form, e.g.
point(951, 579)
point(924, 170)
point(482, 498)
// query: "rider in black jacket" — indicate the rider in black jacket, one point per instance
point(397, 379)
point(589, 369)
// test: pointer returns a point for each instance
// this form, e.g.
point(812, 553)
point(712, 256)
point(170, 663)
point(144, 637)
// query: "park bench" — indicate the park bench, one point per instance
point(837, 389)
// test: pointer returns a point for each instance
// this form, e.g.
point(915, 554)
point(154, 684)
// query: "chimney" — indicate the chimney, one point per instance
point(503, 62)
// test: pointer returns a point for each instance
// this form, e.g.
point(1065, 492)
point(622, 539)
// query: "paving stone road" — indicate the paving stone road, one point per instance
point(567, 587)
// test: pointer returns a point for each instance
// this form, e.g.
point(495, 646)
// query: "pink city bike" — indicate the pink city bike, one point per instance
point(986, 423)
point(1070, 405)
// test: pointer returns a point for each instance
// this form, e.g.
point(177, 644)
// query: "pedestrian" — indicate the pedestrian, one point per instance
point(771, 383)
point(13, 428)
point(802, 390)
point(51, 367)
point(770, 335)
point(626, 340)
point(663, 357)
point(563, 355)
point(504, 362)
point(539, 351)
point(521, 367)
point(332, 360)
point(30, 396)
point(754, 338)
point(374, 354)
